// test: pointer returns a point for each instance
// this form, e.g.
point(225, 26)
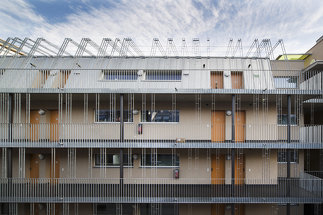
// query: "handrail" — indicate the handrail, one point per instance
point(149, 189)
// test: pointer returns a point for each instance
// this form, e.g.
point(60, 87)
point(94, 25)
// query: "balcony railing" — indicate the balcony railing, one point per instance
point(55, 80)
point(160, 190)
point(164, 135)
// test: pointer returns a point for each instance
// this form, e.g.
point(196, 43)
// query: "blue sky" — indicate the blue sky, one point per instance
point(298, 23)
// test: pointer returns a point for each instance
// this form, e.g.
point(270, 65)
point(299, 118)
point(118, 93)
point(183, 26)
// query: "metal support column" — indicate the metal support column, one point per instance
point(288, 156)
point(121, 138)
point(7, 207)
point(233, 151)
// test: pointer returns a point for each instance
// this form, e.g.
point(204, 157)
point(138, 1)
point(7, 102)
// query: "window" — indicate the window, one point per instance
point(161, 209)
point(282, 156)
point(163, 160)
point(163, 75)
point(285, 82)
point(283, 118)
point(112, 116)
point(112, 209)
point(112, 160)
point(160, 116)
point(120, 75)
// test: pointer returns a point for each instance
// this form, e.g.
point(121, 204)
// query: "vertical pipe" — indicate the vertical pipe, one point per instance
point(288, 150)
point(233, 151)
point(121, 138)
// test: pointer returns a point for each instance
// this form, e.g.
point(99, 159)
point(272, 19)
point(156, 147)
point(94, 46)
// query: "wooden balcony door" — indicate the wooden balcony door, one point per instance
point(34, 125)
point(54, 126)
point(239, 169)
point(237, 80)
point(216, 80)
point(54, 168)
point(218, 209)
point(218, 126)
point(239, 209)
point(34, 166)
point(240, 124)
point(217, 169)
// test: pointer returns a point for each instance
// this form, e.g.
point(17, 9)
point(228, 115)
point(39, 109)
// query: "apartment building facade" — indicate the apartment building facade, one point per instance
point(120, 134)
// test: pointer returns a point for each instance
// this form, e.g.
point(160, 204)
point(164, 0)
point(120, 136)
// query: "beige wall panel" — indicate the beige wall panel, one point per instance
point(257, 167)
point(287, 67)
point(317, 53)
point(188, 127)
point(295, 168)
point(196, 169)
point(254, 167)
point(262, 126)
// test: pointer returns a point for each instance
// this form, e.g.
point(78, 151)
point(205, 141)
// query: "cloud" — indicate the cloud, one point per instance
point(18, 18)
point(297, 22)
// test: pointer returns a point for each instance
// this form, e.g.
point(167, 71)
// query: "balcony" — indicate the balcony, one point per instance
point(159, 135)
point(186, 80)
point(148, 190)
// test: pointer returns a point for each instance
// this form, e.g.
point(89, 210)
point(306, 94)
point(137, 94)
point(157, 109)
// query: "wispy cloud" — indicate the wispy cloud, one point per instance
point(297, 22)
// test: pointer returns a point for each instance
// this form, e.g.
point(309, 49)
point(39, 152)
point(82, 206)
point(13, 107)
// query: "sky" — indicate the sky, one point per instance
point(298, 22)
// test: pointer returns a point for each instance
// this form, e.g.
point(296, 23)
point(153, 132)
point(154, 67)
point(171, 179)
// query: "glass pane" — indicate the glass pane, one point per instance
point(120, 75)
point(160, 75)
point(113, 116)
point(112, 160)
point(161, 116)
point(160, 160)
point(285, 82)
point(282, 119)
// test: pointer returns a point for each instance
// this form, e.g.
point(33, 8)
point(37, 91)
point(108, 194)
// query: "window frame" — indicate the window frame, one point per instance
point(292, 124)
point(177, 161)
point(112, 122)
point(286, 77)
point(282, 155)
point(156, 71)
point(119, 73)
point(177, 116)
point(125, 155)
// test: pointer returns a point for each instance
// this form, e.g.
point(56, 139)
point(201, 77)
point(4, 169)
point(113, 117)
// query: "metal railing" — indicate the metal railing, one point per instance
point(162, 135)
point(159, 190)
point(317, 174)
point(140, 78)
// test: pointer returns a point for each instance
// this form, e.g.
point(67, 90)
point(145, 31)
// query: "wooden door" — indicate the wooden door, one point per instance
point(239, 209)
point(57, 208)
point(239, 169)
point(240, 125)
point(237, 80)
point(217, 169)
point(218, 126)
point(217, 80)
point(34, 208)
point(34, 166)
point(54, 168)
point(64, 75)
point(34, 125)
point(54, 126)
point(218, 209)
